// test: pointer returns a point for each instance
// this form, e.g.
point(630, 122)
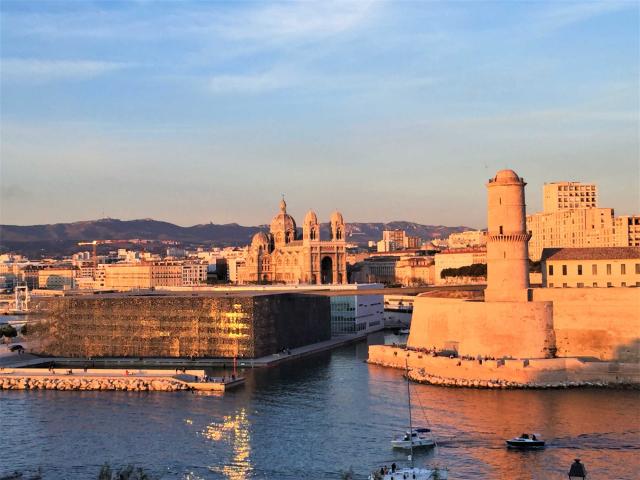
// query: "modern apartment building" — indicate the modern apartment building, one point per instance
point(469, 238)
point(567, 195)
point(572, 219)
point(591, 267)
point(194, 273)
point(129, 276)
point(57, 278)
point(396, 240)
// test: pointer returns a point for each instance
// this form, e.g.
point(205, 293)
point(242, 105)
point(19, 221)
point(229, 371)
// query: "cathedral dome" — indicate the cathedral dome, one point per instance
point(310, 218)
point(260, 239)
point(283, 222)
point(506, 176)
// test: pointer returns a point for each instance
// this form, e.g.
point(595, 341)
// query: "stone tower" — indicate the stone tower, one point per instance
point(507, 240)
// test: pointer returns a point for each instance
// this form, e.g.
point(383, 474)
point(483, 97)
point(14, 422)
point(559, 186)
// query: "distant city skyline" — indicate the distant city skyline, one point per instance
point(197, 112)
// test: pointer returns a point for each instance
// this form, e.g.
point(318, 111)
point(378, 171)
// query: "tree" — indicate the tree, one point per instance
point(475, 270)
point(8, 331)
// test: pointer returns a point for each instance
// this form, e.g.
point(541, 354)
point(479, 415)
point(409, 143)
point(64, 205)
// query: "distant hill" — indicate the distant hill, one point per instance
point(62, 238)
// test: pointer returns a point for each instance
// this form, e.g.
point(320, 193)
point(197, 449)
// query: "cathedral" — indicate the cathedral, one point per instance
point(282, 256)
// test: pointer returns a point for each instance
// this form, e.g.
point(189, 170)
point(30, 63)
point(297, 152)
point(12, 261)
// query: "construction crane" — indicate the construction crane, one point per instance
point(94, 256)
point(95, 244)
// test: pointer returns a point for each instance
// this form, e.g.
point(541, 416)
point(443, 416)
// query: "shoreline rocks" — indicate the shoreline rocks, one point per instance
point(422, 376)
point(132, 384)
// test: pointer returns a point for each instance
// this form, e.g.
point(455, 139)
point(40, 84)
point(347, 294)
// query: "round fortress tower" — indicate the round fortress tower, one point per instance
point(507, 239)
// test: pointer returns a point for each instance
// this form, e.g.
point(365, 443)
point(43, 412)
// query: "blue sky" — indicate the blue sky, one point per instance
point(200, 111)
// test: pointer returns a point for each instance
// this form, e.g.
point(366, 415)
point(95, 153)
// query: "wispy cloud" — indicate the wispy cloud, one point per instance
point(301, 20)
point(563, 14)
point(36, 70)
point(280, 79)
point(249, 83)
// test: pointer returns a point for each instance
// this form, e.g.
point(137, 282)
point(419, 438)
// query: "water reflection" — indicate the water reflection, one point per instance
point(233, 432)
point(314, 418)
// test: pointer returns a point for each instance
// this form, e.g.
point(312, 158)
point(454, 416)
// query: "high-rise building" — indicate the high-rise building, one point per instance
point(571, 218)
point(397, 240)
point(568, 195)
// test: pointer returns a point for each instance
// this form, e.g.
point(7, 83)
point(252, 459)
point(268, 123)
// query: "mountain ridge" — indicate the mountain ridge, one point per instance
point(62, 238)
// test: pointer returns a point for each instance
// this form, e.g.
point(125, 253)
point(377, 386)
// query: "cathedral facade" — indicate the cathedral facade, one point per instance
point(283, 256)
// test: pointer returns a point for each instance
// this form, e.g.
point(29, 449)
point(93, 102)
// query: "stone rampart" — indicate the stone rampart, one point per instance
point(540, 373)
point(598, 322)
point(518, 329)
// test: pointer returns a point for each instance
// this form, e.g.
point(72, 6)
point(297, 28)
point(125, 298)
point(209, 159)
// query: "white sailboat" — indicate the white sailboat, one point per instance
point(413, 438)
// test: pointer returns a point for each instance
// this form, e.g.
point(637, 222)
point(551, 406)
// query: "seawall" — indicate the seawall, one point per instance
point(533, 373)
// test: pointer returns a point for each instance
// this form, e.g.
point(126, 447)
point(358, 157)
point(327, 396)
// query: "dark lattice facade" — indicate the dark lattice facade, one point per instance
point(182, 326)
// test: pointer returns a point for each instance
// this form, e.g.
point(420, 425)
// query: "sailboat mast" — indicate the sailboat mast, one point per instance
point(410, 423)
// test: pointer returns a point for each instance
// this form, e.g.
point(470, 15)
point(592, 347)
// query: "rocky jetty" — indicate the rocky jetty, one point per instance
point(132, 384)
point(421, 376)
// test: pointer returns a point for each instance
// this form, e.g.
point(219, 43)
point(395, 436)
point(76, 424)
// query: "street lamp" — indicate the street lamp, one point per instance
point(577, 470)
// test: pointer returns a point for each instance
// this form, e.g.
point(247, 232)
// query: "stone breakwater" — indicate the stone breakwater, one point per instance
point(102, 383)
point(420, 376)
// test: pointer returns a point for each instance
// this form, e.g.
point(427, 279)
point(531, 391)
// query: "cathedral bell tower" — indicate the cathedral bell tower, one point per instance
point(507, 240)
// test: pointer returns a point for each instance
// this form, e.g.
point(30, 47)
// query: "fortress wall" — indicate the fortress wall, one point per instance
point(599, 322)
point(477, 328)
point(552, 371)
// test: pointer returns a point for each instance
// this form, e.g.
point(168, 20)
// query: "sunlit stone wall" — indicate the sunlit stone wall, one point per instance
point(182, 326)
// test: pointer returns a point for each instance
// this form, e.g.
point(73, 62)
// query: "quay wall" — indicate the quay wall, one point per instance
point(539, 373)
point(599, 322)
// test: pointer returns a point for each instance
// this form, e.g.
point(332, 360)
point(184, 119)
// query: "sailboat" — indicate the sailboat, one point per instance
point(419, 440)
point(414, 437)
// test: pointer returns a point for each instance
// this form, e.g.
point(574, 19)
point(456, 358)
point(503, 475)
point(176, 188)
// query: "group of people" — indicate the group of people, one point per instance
point(206, 378)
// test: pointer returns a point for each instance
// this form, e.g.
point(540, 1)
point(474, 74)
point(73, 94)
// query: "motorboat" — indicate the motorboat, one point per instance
point(410, 473)
point(416, 438)
point(526, 440)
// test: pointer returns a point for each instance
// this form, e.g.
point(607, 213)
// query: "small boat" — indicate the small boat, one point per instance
point(526, 440)
point(410, 473)
point(417, 438)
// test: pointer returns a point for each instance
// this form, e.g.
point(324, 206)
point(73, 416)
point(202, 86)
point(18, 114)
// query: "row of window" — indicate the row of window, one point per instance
point(595, 284)
point(572, 188)
point(594, 269)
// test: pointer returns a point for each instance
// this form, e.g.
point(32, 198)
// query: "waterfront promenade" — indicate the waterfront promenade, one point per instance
point(15, 360)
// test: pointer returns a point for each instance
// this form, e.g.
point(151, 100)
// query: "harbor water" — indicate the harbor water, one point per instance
point(315, 419)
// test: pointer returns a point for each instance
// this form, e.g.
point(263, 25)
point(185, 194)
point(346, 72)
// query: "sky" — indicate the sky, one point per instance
point(200, 111)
